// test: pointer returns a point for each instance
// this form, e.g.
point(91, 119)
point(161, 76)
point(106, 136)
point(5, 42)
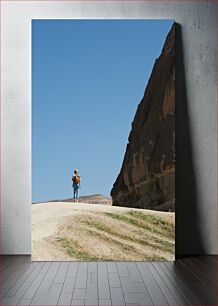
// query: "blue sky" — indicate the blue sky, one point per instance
point(88, 76)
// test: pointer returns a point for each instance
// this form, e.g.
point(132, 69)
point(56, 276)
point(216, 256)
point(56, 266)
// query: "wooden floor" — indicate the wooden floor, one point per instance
point(189, 281)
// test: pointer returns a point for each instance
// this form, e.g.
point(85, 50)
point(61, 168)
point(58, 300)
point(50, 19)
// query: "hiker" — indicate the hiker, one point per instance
point(76, 185)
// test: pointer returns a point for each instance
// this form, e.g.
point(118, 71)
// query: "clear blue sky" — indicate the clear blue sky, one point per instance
point(88, 76)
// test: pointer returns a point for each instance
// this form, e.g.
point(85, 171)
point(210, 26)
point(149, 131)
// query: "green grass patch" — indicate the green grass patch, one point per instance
point(145, 240)
point(124, 218)
point(151, 232)
point(74, 249)
point(151, 219)
point(112, 240)
point(148, 222)
point(124, 245)
point(166, 226)
point(99, 225)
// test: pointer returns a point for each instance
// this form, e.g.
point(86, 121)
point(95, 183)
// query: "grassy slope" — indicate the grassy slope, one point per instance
point(132, 235)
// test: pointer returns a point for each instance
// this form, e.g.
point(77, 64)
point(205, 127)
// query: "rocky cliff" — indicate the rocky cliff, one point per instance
point(147, 175)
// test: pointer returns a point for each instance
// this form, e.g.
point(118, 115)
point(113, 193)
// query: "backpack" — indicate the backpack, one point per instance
point(76, 179)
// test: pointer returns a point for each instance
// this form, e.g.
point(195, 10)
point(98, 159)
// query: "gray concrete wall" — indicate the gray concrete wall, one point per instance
point(196, 202)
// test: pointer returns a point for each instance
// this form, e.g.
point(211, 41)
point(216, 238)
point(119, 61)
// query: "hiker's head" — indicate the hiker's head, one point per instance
point(76, 171)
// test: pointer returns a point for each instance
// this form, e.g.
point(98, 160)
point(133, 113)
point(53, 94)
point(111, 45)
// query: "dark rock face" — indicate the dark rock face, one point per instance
point(147, 175)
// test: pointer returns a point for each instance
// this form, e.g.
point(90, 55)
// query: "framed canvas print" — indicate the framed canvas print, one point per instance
point(103, 136)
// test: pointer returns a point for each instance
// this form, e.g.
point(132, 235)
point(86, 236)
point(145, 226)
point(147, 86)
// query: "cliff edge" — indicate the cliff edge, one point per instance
point(147, 176)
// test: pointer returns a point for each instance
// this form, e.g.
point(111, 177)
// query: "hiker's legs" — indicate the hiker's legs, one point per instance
point(77, 193)
point(74, 193)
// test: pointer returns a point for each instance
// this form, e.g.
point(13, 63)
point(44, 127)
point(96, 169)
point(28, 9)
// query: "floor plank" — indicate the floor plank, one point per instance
point(198, 288)
point(170, 269)
point(155, 292)
point(208, 275)
point(16, 265)
point(17, 273)
point(188, 281)
point(29, 276)
point(163, 285)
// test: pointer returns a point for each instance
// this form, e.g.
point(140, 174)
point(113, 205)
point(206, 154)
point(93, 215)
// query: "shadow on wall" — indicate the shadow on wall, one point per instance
point(188, 228)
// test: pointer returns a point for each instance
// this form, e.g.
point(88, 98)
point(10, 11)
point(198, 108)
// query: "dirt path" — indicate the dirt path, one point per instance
point(81, 231)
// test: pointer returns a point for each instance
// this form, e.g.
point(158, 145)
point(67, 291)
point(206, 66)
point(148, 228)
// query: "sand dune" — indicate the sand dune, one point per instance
point(81, 231)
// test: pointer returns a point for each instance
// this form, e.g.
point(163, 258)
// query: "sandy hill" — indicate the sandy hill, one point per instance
point(83, 231)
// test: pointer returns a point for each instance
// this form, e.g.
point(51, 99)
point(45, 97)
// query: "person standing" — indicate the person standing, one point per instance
point(76, 185)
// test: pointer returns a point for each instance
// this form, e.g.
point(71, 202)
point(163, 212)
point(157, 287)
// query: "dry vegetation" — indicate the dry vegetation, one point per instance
point(108, 234)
